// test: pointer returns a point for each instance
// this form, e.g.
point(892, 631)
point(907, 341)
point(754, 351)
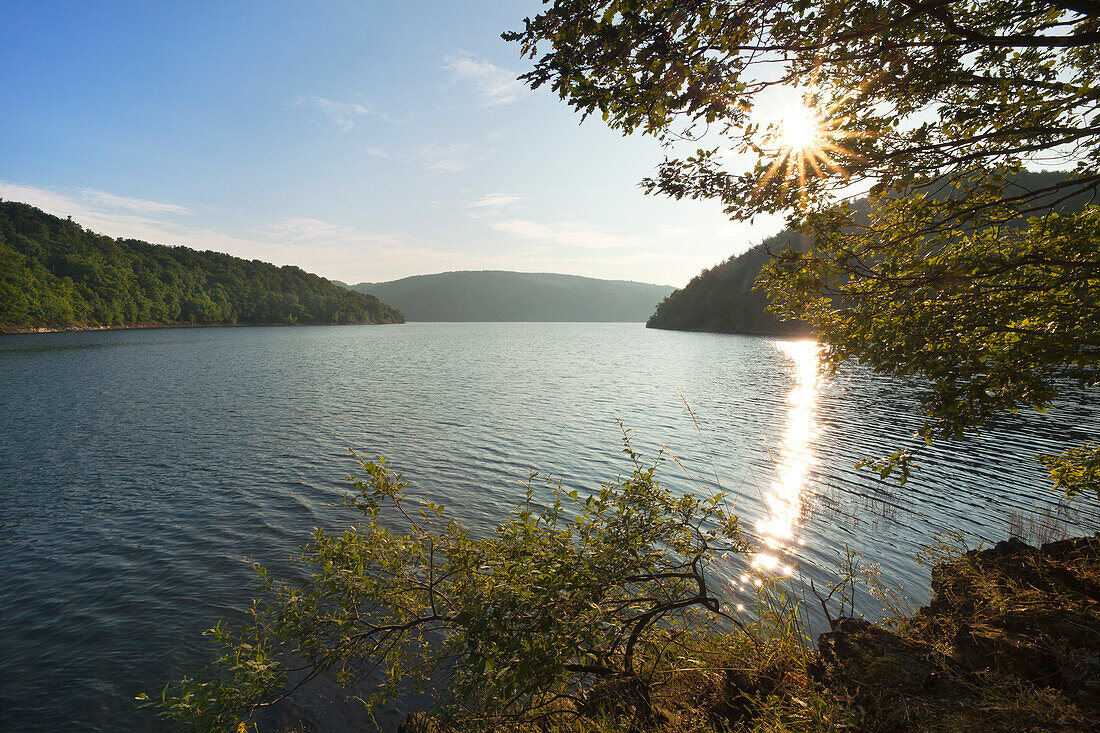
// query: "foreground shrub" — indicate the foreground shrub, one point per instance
point(559, 605)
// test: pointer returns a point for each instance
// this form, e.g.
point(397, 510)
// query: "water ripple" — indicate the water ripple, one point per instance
point(139, 469)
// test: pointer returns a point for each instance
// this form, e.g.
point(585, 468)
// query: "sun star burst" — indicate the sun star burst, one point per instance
point(807, 141)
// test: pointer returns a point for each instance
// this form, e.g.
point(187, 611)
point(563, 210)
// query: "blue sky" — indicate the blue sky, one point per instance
point(363, 141)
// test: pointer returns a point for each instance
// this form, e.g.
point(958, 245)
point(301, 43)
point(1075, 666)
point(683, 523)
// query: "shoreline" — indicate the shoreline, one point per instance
point(781, 333)
point(26, 330)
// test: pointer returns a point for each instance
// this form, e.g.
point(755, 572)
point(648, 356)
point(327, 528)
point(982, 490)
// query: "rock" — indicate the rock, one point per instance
point(1012, 632)
point(420, 723)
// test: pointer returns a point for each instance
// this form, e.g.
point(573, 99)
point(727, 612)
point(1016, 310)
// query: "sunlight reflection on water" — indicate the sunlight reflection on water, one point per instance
point(785, 501)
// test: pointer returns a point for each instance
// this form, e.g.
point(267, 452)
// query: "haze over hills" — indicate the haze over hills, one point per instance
point(56, 275)
point(493, 295)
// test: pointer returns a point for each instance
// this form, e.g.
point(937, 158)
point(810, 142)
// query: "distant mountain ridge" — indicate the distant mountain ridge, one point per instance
point(56, 275)
point(499, 295)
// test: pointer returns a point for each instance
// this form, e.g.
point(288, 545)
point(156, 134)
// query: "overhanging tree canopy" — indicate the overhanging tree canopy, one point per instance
point(955, 268)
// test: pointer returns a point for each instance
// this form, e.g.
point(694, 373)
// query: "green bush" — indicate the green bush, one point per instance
point(588, 592)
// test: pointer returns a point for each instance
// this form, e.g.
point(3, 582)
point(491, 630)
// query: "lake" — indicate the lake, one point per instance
point(138, 469)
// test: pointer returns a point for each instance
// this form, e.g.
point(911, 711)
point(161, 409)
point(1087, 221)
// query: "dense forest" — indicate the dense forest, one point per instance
point(55, 274)
point(722, 298)
point(489, 295)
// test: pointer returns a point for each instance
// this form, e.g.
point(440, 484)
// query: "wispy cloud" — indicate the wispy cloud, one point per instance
point(315, 245)
point(375, 152)
point(51, 201)
point(305, 230)
point(447, 158)
point(355, 254)
point(99, 211)
point(495, 201)
point(343, 113)
point(494, 86)
point(304, 227)
point(491, 204)
point(103, 198)
point(564, 234)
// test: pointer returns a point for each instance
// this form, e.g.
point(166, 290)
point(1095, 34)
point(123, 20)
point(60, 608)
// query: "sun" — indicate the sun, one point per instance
point(800, 129)
point(807, 142)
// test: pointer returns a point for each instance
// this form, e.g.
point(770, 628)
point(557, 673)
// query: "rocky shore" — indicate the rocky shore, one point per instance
point(1010, 641)
point(8, 330)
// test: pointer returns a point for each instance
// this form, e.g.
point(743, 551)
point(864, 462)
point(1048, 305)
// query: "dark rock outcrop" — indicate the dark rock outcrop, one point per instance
point(1009, 641)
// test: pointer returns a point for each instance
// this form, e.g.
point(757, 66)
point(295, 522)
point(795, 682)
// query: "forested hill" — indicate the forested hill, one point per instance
point(54, 274)
point(722, 299)
point(518, 296)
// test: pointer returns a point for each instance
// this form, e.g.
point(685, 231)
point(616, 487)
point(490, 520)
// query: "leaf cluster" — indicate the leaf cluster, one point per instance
point(1077, 470)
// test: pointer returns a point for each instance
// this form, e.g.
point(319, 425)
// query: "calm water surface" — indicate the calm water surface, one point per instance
point(138, 468)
